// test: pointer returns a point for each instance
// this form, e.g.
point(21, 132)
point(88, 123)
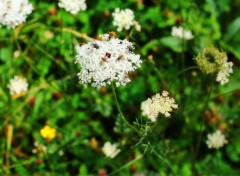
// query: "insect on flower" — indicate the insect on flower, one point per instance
point(95, 45)
point(82, 43)
point(108, 55)
point(112, 34)
point(121, 56)
point(130, 48)
point(112, 62)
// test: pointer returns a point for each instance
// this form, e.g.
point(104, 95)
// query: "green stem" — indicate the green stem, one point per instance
point(158, 74)
point(126, 165)
point(232, 91)
point(186, 69)
point(120, 112)
point(165, 161)
point(183, 71)
point(26, 162)
point(203, 117)
point(212, 98)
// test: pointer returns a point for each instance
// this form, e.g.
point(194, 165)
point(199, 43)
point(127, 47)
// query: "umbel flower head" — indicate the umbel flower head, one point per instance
point(110, 150)
point(123, 19)
point(18, 86)
point(73, 6)
point(39, 148)
point(14, 12)
point(211, 60)
point(158, 104)
point(181, 33)
point(216, 140)
point(107, 60)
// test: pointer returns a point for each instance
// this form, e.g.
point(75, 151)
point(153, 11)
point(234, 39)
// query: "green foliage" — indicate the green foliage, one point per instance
point(42, 50)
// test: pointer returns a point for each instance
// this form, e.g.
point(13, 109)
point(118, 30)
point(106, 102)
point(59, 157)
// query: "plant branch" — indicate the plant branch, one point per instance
point(120, 112)
point(165, 161)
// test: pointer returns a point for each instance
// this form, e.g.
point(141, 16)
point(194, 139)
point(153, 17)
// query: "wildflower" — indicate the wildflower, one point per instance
point(137, 26)
point(158, 104)
point(94, 143)
point(48, 133)
point(181, 33)
point(14, 13)
point(48, 35)
point(123, 19)
point(16, 54)
point(224, 73)
point(216, 140)
point(73, 6)
point(106, 61)
point(39, 148)
point(211, 60)
point(110, 150)
point(18, 86)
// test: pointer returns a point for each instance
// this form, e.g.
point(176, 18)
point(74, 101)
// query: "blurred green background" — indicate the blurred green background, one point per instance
point(85, 118)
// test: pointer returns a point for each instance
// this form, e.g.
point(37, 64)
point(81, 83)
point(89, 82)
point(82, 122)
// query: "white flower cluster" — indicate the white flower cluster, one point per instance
point(181, 33)
point(14, 12)
point(216, 140)
point(124, 19)
point(223, 74)
point(39, 148)
point(110, 150)
point(107, 60)
point(73, 6)
point(18, 85)
point(158, 104)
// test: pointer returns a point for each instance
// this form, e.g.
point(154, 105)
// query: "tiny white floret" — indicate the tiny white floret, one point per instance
point(18, 85)
point(14, 12)
point(73, 6)
point(110, 150)
point(158, 104)
point(124, 19)
point(181, 33)
point(216, 140)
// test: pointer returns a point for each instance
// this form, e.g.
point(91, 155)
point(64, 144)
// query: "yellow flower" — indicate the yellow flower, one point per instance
point(48, 133)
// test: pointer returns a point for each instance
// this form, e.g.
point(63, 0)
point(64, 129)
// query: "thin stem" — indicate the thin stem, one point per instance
point(80, 35)
point(165, 161)
point(120, 112)
point(126, 165)
point(232, 91)
point(26, 162)
point(158, 73)
point(212, 98)
point(183, 71)
point(186, 69)
point(203, 117)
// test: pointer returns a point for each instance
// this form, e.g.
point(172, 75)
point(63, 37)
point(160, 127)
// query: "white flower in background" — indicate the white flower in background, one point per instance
point(158, 104)
point(212, 60)
point(18, 85)
point(223, 74)
point(110, 150)
point(137, 26)
point(16, 54)
point(14, 12)
point(181, 33)
point(107, 60)
point(39, 148)
point(216, 140)
point(73, 6)
point(123, 19)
